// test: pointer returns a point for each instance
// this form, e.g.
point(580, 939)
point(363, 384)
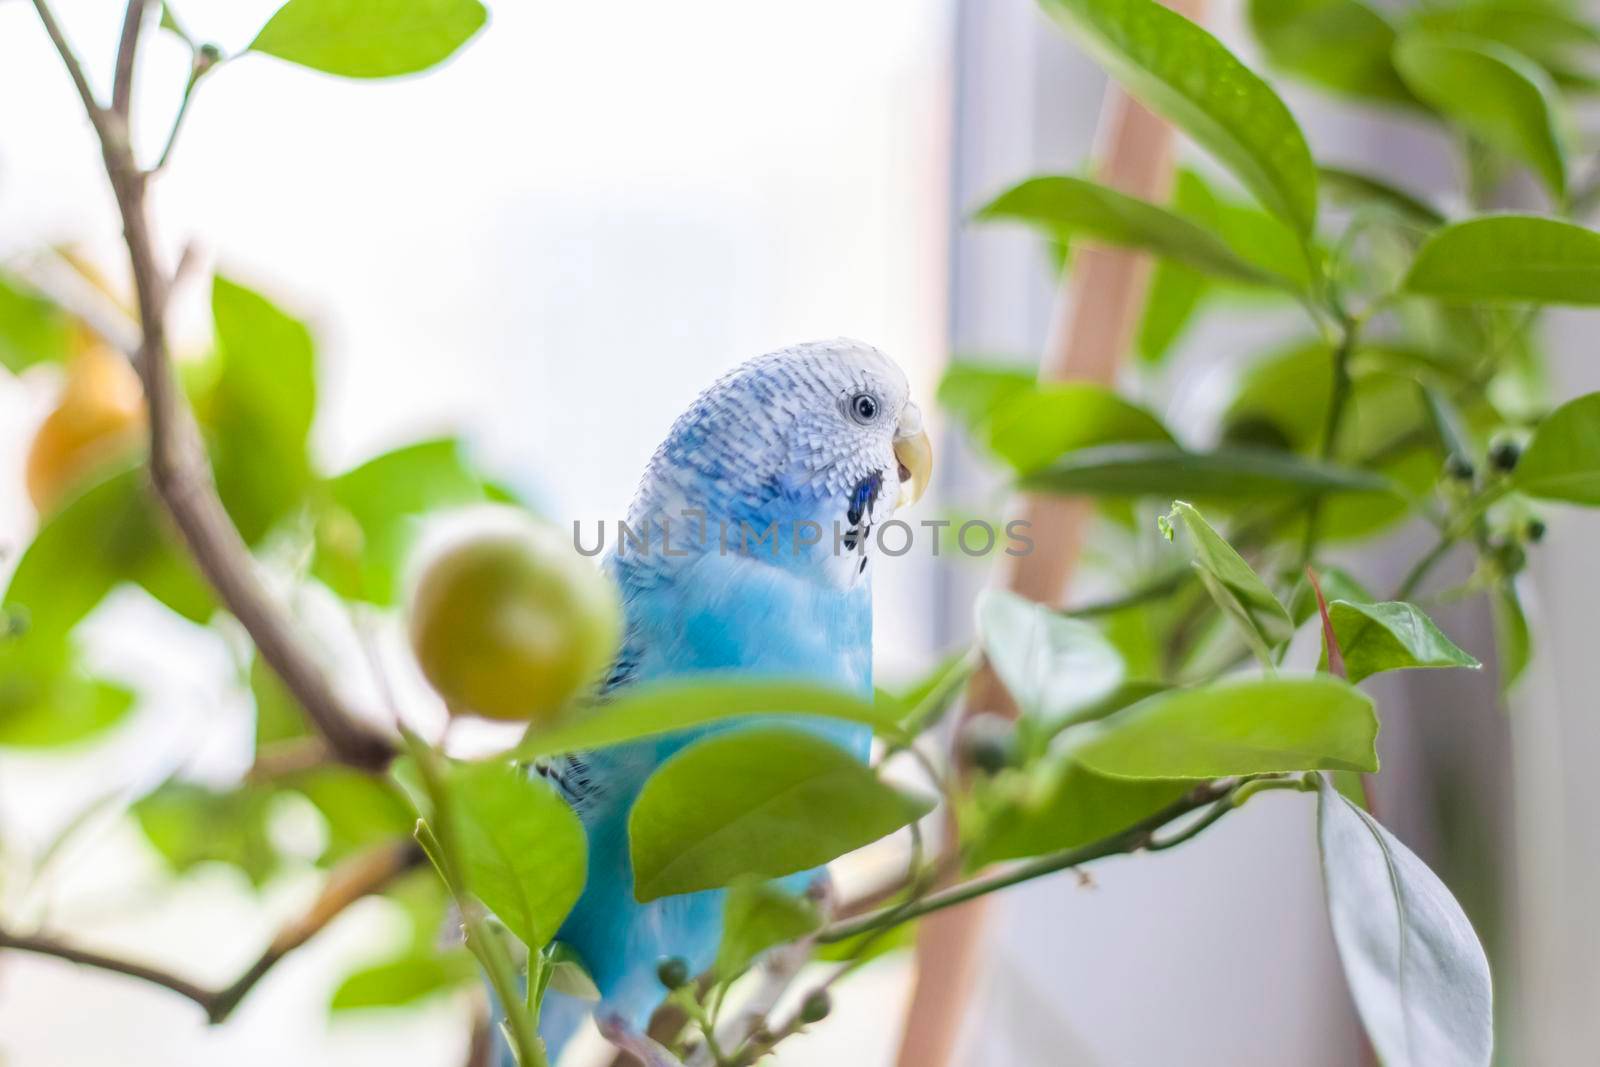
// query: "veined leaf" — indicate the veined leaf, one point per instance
point(1236, 588)
point(1494, 92)
point(664, 707)
point(1390, 636)
point(763, 801)
point(1255, 726)
point(1053, 666)
point(1183, 73)
point(522, 850)
point(1222, 474)
point(1562, 462)
point(369, 38)
point(1418, 975)
point(1073, 207)
point(1343, 45)
point(1510, 258)
point(757, 916)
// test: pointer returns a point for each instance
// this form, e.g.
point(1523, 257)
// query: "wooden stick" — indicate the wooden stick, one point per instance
point(1097, 311)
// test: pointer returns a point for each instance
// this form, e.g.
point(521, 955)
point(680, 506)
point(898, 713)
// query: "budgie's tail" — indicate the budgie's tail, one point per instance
point(560, 1017)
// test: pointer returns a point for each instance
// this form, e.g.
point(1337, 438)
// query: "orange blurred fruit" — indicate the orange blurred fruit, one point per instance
point(512, 624)
point(99, 419)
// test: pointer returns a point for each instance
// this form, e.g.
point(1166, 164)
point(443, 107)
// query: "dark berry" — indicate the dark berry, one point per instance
point(673, 972)
point(816, 1006)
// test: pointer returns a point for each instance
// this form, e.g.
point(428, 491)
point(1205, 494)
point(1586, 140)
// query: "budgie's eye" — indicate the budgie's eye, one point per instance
point(864, 408)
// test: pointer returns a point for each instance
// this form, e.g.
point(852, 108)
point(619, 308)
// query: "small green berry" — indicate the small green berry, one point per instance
point(1459, 467)
point(673, 972)
point(1504, 455)
point(988, 743)
point(816, 1006)
point(1534, 532)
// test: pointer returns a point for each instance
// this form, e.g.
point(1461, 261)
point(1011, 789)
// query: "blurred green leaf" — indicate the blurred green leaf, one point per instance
point(869, 946)
point(1068, 806)
point(369, 524)
point(1389, 636)
point(1236, 588)
point(1031, 429)
point(973, 391)
point(668, 706)
point(1562, 462)
point(1343, 45)
point(369, 38)
point(1337, 584)
point(1512, 640)
point(402, 982)
point(360, 810)
point(1053, 666)
point(1224, 474)
point(763, 801)
point(1565, 45)
point(32, 329)
point(1252, 726)
point(1183, 73)
point(1495, 93)
point(260, 408)
point(757, 916)
point(1074, 208)
point(191, 824)
point(278, 715)
point(1175, 291)
point(522, 849)
point(40, 708)
point(1351, 187)
point(1507, 258)
point(1418, 975)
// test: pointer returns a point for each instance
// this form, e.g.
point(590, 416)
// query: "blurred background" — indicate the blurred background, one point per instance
point(549, 246)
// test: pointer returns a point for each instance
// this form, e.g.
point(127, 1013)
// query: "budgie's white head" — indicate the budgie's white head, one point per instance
point(824, 432)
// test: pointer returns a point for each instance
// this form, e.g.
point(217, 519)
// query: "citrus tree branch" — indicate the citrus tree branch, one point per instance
point(367, 873)
point(127, 49)
point(179, 469)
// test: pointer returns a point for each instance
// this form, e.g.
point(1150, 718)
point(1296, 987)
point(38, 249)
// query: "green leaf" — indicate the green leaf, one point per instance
point(43, 709)
point(1053, 666)
point(260, 408)
point(868, 946)
point(360, 810)
point(402, 982)
point(1224, 474)
point(764, 801)
point(758, 916)
point(1343, 45)
point(278, 715)
point(1033, 428)
point(1419, 978)
point(1237, 589)
point(1072, 208)
point(191, 824)
point(1067, 807)
point(1566, 46)
point(1390, 636)
point(973, 391)
point(1176, 291)
point(1183, 73)
point(1510, 258)
point(1254, 726)
point(1494, 93)
point(1512, 641)
point(667, 706)
point(32, 329)
point(521, 848)
point(1351, 187)
point(1562, 462)
point(369, 524)
point(369, 38)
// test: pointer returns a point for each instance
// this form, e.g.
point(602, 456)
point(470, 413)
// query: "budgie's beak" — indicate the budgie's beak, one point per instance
point(915, 454)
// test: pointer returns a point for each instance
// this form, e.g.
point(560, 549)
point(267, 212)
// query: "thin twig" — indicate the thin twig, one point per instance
point(70, 60)
point(367, 873)
point(127, 49)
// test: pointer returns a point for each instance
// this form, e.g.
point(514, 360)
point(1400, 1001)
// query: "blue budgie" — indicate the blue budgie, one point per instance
point(760, 507)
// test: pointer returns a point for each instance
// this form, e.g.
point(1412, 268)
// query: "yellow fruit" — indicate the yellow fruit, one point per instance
point(100, 418)
point(513, 624)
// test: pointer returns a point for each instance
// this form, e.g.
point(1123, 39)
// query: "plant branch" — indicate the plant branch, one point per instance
point(179, 469)
point(367, 873)
point(69, 59)
point(1133, 839)
point(127, 50)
